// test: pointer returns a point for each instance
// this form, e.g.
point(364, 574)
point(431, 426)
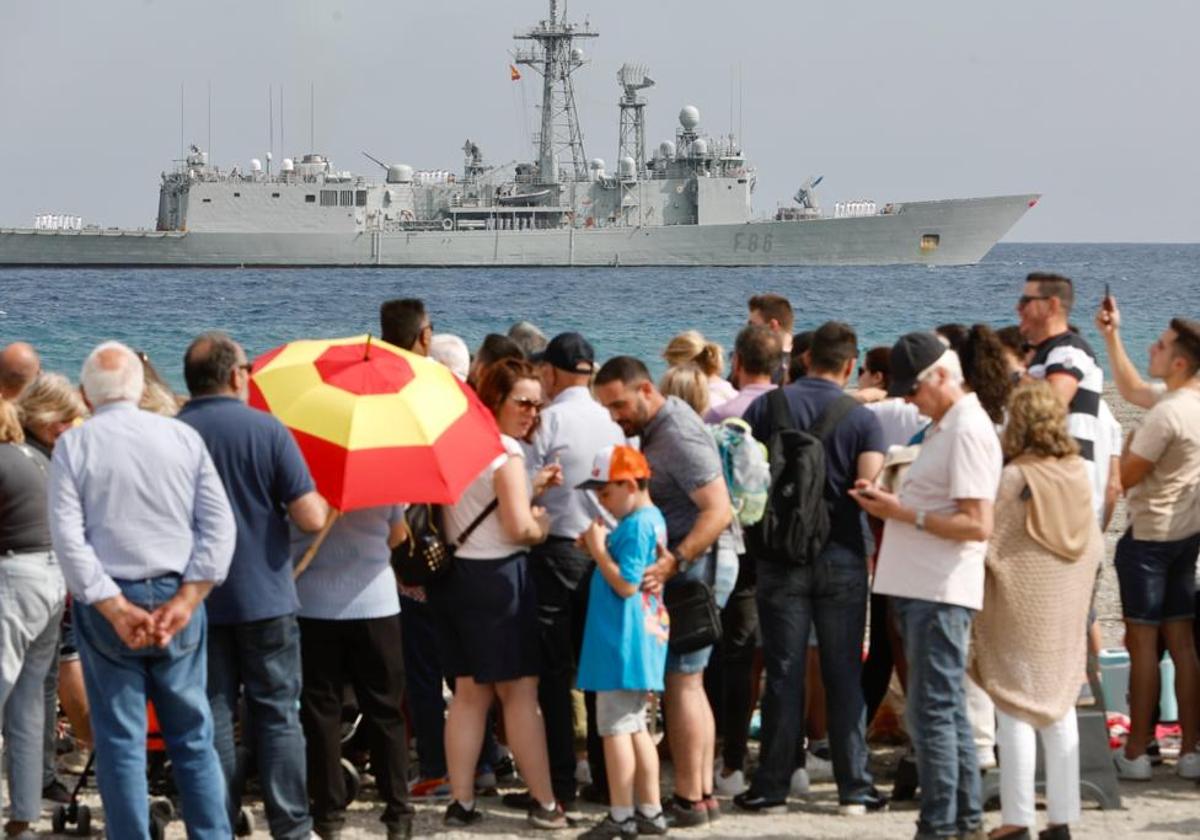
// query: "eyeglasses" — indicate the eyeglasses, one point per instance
point(527, 404)
point(246, 367)
point(1025, 300)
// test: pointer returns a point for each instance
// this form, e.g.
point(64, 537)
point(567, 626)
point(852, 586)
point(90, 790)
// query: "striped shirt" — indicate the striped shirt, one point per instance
point(1068, 353)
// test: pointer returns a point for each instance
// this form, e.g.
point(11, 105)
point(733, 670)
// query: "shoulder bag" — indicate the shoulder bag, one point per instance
point(426, 556)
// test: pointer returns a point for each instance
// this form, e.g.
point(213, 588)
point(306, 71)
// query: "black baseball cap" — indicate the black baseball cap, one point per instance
point(911, 355)
point(570, 352)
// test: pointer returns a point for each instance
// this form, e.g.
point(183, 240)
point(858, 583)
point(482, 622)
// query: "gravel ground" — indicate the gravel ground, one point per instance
point(1164, 808)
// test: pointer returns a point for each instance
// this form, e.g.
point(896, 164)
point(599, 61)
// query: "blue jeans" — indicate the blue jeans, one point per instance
point(119, 683)
point(935, 642)
point(263, 658)
point(31, 603)
point(831, 594)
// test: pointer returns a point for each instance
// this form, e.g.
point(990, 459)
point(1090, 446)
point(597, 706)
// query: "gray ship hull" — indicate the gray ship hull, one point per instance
point(951, 232)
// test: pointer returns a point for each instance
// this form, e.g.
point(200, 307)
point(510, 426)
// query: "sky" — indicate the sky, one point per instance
point(1089, 102)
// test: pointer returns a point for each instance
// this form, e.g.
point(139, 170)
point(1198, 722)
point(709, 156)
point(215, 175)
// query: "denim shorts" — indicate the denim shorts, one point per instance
point(1157, 579)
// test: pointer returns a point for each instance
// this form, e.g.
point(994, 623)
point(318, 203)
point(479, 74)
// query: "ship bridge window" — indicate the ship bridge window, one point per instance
point(237, 195)
point(329, 198)
point(206, 200)
point(276, 195)
point(310, 199)
point(360, 198)
point(347, 198)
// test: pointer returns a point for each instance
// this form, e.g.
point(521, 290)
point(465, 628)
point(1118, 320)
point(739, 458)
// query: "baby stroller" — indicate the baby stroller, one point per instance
point(163, 793)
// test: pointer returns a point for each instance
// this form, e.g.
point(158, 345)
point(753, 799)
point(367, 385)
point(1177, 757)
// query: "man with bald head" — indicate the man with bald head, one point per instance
point(143, 531)
point(19, 365)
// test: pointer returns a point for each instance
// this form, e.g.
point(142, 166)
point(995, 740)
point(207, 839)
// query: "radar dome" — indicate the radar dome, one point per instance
point(666, 149)
point(689, 117)
point(576, 54)
point(627, 166)
point(596, 163)
point(699, 147)
point(255, 165)
point(288, 165)
point(399, 173)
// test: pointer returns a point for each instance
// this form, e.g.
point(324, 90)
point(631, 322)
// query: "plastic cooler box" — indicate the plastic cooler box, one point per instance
point(1114, 676)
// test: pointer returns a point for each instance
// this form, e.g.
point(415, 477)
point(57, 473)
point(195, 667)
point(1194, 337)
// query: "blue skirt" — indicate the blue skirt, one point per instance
point(487, 619)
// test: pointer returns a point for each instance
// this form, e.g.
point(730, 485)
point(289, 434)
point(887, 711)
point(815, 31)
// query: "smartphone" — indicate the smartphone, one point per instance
point(1107, 303)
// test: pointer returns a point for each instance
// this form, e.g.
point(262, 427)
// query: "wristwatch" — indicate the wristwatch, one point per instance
point(920, 523)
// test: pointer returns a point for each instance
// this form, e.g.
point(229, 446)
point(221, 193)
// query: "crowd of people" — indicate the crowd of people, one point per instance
point(939, 524)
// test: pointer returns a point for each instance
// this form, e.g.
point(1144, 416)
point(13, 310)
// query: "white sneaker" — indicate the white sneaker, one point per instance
point(730, 785)
point(819, 769)
point(1134, 770)
point(800, 783)
point(1189, 765)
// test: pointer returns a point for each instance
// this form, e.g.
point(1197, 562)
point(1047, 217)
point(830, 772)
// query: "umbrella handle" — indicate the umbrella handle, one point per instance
point(334, 513)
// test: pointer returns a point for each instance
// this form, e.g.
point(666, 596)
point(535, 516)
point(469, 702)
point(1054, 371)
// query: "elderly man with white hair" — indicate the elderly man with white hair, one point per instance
point(931, 561)
point(143, 530)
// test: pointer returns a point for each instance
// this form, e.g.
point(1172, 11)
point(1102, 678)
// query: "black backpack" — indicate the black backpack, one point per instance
point(795, 527)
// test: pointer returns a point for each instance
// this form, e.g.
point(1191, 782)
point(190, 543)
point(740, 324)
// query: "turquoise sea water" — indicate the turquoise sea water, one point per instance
point(626, 310)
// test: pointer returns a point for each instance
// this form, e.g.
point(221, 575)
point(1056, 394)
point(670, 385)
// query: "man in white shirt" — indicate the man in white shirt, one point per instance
point(572, 429)
point(932, 563)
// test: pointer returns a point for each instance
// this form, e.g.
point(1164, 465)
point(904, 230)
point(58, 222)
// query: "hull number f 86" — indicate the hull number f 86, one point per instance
point(752, 243)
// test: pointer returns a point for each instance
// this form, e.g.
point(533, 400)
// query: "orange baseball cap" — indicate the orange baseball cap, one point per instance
point(616, 463)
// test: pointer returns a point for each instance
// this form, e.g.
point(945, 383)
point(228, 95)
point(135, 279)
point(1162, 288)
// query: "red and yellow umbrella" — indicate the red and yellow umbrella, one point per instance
point(377, 425)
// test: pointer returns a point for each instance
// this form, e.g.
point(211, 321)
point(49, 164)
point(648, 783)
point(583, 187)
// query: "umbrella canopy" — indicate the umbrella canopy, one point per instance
point(377, 425)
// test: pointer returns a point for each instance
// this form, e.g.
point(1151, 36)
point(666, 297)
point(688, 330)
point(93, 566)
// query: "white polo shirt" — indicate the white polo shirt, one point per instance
point(959, 459)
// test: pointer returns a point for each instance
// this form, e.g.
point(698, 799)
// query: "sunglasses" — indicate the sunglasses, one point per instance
point(1025, 300)
point(246, 367)
point(527, 404)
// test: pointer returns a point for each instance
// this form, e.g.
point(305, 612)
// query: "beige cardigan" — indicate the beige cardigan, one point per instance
point(1029, 642)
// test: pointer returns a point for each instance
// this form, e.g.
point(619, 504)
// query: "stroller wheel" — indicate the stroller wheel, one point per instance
point(353, 780)
point(245, 823)
point(58, 820)
point(83, 821)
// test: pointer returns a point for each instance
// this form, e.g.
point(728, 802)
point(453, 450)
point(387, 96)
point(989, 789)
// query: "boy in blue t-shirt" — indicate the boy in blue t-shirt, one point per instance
point(625, 639)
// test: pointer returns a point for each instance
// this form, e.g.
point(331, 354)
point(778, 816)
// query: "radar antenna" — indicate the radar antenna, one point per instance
point(633, 78)
point(556, 58)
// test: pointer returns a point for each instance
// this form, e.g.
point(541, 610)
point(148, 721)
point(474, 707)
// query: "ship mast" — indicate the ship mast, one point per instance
point(556, 58)
point(632, 144)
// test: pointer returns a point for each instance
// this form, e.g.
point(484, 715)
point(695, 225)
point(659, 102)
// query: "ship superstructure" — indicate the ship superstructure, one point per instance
point(687, 201)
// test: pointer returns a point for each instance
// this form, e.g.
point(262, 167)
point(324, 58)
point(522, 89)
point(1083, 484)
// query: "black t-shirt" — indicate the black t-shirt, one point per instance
point(858, 432)
point(24, 519)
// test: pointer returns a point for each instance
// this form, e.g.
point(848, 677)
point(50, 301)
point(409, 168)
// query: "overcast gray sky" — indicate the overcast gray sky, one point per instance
point(1091, 102)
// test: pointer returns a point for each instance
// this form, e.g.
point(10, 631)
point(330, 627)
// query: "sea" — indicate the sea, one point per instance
point(66, 312)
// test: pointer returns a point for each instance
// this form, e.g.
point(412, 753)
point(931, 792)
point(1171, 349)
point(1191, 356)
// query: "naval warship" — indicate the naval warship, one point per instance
point(687, 203)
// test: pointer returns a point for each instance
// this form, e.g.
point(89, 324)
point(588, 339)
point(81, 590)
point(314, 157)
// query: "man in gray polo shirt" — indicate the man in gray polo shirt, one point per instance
point(572, 429)
point(688, 486)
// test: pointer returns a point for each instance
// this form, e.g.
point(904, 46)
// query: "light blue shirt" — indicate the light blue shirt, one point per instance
point(625, 639)
point(351, 576)
point(135, 496)
point(573, 428)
